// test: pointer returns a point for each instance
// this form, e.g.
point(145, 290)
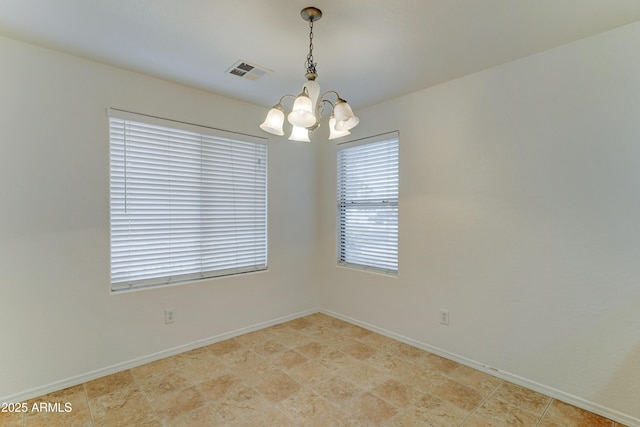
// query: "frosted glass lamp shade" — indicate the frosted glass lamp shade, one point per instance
point(274, 121)
point(302, 113)
point(345, 119)
point(333, 132)
point(299, 134)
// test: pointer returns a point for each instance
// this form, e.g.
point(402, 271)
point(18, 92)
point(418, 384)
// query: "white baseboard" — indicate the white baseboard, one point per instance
point(540, 388)
point(98, 373)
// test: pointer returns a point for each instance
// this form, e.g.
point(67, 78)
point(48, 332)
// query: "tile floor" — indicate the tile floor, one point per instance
point(312, 371)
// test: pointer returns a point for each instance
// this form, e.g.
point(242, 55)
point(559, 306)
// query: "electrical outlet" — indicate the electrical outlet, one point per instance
point(444, 316)
point(169, 315)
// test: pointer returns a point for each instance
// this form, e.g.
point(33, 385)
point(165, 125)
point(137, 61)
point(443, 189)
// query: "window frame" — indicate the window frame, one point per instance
point(390, 204)
point(211, 141)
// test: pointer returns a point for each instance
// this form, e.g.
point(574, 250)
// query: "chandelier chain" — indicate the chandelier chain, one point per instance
point(311, 66)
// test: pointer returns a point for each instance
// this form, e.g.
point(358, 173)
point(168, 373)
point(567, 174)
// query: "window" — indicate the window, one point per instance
point(368, 203)
point(187, 202)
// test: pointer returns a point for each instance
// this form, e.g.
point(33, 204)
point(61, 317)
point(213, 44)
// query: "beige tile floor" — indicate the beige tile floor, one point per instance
point(312, 371)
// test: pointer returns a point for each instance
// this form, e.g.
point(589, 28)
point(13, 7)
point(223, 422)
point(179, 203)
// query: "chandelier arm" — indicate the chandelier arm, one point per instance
point(328, 102)
point(320, 107)
point(285, 96)
point(331, 91)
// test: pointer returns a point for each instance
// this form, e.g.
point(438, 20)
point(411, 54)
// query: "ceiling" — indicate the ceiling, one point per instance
point(368, 50)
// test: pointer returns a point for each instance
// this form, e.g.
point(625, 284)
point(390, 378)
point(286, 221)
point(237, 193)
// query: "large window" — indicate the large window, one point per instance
point(368, 203)
point(187, 202)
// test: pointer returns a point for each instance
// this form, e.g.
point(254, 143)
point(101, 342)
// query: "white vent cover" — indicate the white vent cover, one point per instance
point(247, 70)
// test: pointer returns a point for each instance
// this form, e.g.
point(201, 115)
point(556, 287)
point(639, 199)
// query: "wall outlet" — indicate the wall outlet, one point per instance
point(170, 315)
point(444, 316)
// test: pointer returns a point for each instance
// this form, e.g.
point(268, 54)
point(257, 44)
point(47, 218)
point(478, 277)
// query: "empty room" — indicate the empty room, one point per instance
point(330, 213)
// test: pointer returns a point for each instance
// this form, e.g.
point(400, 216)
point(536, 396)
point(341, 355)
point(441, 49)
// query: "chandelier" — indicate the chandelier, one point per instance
point(307, 109)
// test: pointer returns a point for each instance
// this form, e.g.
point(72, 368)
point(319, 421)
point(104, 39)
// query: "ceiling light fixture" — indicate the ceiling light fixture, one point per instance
point(307, 110)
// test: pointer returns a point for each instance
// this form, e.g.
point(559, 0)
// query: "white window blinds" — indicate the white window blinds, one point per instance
point(187, 202)
point(368, 203)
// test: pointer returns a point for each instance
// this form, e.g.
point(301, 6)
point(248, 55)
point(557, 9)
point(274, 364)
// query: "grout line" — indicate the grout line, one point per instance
point(86, 398)
point(489, 396)
point(331, 345)
point(544, 412)
point(144, 393)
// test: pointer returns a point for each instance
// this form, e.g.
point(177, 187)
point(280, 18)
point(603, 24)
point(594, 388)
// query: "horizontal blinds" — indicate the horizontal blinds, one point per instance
point(184, 205)
point(368, 204)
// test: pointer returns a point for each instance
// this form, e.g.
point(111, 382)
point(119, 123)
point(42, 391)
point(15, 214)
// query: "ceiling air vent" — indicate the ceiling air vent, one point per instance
point(247, 70)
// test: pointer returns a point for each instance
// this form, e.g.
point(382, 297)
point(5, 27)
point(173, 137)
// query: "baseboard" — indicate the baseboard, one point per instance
point(98, 373)
point(541, 388)
point(532, 385)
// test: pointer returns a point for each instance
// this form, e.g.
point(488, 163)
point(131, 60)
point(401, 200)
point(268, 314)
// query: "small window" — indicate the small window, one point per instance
point(187, 202)
point(368, 203)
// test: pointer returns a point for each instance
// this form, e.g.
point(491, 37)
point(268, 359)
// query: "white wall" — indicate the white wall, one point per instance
point(520, 214)
point(58, 319)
